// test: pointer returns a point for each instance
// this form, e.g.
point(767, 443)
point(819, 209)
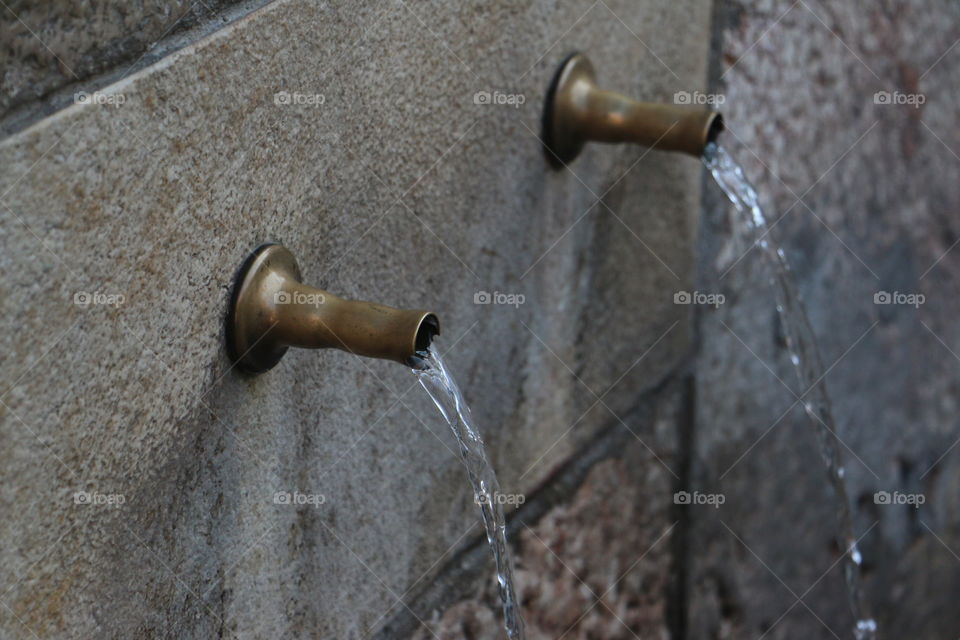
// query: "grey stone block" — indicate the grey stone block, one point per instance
point(395, 187)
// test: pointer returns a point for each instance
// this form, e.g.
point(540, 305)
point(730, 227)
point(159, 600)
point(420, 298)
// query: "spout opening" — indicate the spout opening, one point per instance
point(429, 328)
point(714, 128)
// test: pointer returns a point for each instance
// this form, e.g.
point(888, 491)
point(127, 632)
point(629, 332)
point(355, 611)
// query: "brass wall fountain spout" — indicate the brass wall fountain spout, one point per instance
point(577, 111)
point(271, 310)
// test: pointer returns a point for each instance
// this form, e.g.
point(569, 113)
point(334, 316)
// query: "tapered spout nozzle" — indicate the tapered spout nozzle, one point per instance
point(577, 111)
point(271, 310)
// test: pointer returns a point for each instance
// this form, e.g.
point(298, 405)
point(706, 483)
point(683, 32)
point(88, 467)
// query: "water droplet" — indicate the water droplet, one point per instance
point(865, 629)
point(855, 554)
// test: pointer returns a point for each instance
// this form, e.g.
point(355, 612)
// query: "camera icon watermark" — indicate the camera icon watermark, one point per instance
point(515, 100)
point(698, 297)
point(509, 499)
point(898, 98)
point(699, 98)
point(285, 98)
point(85, 299)
point(99, 499)
point(297, 499)
point(696, 498)
point(100, 98)
point(511, 299)
point(299, 298)
point(896, 297)
point(896, 498)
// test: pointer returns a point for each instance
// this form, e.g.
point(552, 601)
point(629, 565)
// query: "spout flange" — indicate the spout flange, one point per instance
point(563, 138)
point(250, 320)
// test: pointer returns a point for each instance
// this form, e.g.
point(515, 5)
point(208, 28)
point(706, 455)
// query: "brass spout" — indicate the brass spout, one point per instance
point(271, 310)
point(576, 111)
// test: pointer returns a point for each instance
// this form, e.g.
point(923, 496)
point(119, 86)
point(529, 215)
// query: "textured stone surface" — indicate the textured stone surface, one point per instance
point(799, 80)
point(597, 561)
point(397, 188)
point(48, 44)
point(581, 572)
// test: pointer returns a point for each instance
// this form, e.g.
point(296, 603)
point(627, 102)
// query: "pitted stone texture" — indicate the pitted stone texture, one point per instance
point(395, 186)
point(800, 82)
point(598, 564)
point(50, 44)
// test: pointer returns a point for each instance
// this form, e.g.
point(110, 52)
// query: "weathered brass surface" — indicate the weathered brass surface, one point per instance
point(271, 310)
point(576, 111)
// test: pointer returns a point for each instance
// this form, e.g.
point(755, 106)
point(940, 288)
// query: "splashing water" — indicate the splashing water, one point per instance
point(443, 390)
point(750, 226)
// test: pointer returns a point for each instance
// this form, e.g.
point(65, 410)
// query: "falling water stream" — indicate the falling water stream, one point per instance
point(750, 226)
point(443, 390)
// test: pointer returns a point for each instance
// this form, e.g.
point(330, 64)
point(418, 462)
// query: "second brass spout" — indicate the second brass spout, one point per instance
point(578, 111)
point(272, 310)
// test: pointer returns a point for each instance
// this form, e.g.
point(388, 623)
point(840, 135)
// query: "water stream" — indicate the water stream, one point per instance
point(750, 227)
point(443, 390)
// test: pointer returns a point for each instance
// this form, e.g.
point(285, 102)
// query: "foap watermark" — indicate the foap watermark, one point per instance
point(498, 297)
point(712, 499)
point(85, 299)
point(296, 498)
point(99, 499)
point(510, 499)
point(699, 297)
point(99, 97)
point(898, 98)
point(285, 98)
point(897, 297)
point(514, 100)
point(897, 498)
point(299, 297)
point(699, 98)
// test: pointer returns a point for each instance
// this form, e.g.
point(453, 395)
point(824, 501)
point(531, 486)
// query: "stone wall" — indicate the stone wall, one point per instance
point(865, 194)
point(598, 397)
point(51, 48)
point(391, 183)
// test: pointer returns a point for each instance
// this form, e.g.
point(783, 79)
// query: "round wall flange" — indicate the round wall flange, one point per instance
point(248, 325)
point(562, 138)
